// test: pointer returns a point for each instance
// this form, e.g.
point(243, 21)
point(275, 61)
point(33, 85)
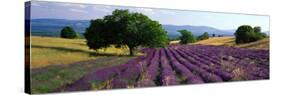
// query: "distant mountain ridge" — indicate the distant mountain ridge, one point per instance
point(78, 25)
point(52, 27)
point(196, 30)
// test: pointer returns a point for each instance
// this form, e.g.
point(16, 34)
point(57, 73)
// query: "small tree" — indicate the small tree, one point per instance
point(214, 35)
point(204, 36)
point(259, 35)
point(68, 32)
point(246, 34)
point(186, 37)
point(257, 29)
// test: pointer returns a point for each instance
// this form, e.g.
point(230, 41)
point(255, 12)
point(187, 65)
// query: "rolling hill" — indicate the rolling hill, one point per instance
point(196, 30)
point(51, 27)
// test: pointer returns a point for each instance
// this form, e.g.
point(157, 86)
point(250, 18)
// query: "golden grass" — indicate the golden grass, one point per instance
point(262, 44)
point(218, 41)
point(175, 42)
point(47, 51)
point(230, 41)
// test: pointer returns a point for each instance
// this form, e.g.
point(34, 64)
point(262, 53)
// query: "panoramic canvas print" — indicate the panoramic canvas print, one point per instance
point(88, 47)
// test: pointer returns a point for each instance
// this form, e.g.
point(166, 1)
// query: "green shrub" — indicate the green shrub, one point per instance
point(68, 32)
point(186, 37)
point(204, 36)
point(246, 34)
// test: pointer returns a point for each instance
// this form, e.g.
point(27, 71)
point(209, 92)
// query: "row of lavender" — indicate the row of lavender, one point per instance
point(180, 64)
point(254, 62)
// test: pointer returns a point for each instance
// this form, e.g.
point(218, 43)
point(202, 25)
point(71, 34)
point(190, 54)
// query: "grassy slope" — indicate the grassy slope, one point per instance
point(230, 41)
point(51, 58)
point(218, 41)
point(54, 51)
point(262, 44)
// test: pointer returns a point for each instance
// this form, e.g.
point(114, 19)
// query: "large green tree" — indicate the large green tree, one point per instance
point(68, 32)
point(186, 37)
point(95, 35)
point(125, 28)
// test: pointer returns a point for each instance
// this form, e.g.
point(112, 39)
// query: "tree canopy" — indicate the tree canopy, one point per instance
point(246, 34)
point(68, 32)
point(186, 37)
point(125, 28)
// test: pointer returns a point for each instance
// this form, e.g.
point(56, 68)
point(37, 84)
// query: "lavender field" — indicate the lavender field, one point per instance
point(83, 47)
point(179, 64)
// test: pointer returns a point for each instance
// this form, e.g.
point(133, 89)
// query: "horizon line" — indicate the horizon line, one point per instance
point(159, 22)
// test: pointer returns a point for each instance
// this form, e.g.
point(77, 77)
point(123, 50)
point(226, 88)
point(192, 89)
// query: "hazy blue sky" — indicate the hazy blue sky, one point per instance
point(223, 21)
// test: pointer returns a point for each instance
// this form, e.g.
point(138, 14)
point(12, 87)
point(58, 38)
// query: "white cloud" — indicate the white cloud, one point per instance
point(72, 5)
point(83, 6)
point(103, 8)
point(39, 4)
point(79, 11)
point(35, 4)
point(145, 10)
point(167, 12)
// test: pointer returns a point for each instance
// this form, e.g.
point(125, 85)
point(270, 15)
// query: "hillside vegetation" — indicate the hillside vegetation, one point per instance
point(230, 41)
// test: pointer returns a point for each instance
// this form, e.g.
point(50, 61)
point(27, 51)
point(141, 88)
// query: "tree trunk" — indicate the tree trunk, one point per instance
point(131, 51)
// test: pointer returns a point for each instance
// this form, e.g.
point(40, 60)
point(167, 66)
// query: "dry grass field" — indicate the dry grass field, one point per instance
point(218, 41)
point(262, 44)
point(230, 41)
point(47, 51)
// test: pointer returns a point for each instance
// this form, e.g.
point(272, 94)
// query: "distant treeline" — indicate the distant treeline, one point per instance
point(243, 34)
point(203, 36)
